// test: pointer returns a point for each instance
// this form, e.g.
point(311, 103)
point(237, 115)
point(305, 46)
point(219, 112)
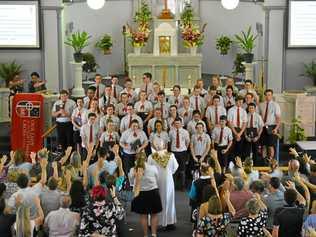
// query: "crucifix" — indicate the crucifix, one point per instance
point(166, 13)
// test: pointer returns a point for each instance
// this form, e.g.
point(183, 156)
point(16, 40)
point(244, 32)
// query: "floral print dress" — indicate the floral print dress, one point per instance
point(213, 227)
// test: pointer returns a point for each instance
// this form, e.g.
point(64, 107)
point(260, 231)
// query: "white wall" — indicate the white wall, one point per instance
point(221, 21)
point(110, 19)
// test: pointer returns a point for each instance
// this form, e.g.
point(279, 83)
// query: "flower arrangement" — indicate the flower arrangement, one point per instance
point(139, 37)
point(143, 16)
point(162, 159)
point(192, 35)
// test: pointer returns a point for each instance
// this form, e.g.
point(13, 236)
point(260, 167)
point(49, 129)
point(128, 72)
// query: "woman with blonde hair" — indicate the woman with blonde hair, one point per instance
point(24, 225)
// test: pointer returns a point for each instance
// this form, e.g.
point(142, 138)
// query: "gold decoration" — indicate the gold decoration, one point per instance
point(163, 159)
point(166, 13)
point(164, 45)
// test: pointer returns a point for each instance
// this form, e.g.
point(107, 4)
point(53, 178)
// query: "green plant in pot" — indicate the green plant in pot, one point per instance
point(105, 44)
point(238, 66)
point(297, 133)
point(223, 44)
point(9, 70)
point(246, 41)
point(310, 71)
point(78, 41)
point(90, 64)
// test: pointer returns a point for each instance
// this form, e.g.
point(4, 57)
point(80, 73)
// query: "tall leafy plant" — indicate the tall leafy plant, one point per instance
point(297, 133)
point(143, 15)
point(78, 41)
point(187, 14)
point(246, 40)
point(310, 70)
point(105, 43)
point(9, 70)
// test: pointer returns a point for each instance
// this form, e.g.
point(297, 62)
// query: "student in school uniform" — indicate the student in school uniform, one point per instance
point(216, 82)
point(214, 112)
point(89, 97)
point(249, 88)
point(126, 121)
point(230, 82)
point(121, 108)
point(153, 97)
point(186, 111)
point(109, 137)
point(196, 101)
point(271, 116)
point(253, 132)
point(147, 85)
point(162, 104)
point(222, 140)
point(159, 136)
point(98, 86)
point(152, 121)
point(90, 133)
point(237, 121)
point(173, 114)
point(110, 116)
point(62, 111)
point(200, 84)
point(144, 108)
point(78, 118)
point(116, 88)
point(131, 94)
point(133, 141)
point(176, 98)
point(200, 145)
point(107, 98)
point(249, 99)
point(209, 97)
point(179, 144)
point(229, 99)
point(196, 119)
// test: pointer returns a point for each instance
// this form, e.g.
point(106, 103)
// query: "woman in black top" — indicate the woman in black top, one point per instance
point(6, 221)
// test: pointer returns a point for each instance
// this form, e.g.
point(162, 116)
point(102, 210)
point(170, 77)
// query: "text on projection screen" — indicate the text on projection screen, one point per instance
point(18, 26)
point(302, 24)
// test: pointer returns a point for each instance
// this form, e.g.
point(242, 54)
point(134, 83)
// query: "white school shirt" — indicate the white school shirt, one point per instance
point(184, 140)
point(170, 121)
point(145, 107)
point(229, 101)
point(125, 122)
point(186, 115)
point(245, 106)
point(165, 109)
point(149, 180)
point(118, 89)
point(211, 115)
point(121, 109)
point(232, 116)
point(104, 120)
point(129, 138)
point(69, 107)
point(257, 121)
point(82, 119)
point(101, 89)
point(227, 135)
point(105, 137)
point(201, 104)
point(172, 100)
point(156, 138)
point(86, 102)
point(150, 88)
point(209, 100)
point(103, 101)
point(132, 95)
point(273, 111)
point(191, 126)
point(85, 134)
point(200, 143)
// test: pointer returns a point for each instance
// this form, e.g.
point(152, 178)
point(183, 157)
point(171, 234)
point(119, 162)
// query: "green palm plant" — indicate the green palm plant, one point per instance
point(9, 70)
point(105, 43)
point(246, 41)
point(78, 41)
point(310, 70)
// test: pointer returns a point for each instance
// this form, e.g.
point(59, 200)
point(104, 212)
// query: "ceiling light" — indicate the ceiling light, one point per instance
point(230, 4)
point(95, 4)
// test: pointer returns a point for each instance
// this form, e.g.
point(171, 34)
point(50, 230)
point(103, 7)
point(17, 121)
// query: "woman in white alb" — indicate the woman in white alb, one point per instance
point(167, 165)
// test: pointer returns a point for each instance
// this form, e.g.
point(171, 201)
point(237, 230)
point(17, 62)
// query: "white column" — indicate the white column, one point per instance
point(249, 69)
point(275, 10)
point(78, 91)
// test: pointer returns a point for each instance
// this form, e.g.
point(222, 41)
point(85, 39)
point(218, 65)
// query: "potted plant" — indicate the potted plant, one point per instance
point(8, 71)
point(238, 66)
point(310, 70)
point(90, 65)
point(105, 44)
point(78, 41)
point(143, 16)
point(297, 133)
point(187, 14)
point(223, 44)
point(193, 37)
point(246, 41)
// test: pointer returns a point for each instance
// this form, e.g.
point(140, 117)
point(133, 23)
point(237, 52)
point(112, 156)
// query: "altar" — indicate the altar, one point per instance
point(167, 70)
point(165, 57)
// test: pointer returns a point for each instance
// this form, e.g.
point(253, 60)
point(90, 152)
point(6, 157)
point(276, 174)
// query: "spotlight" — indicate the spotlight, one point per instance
point(95, 4)
point(230, 4)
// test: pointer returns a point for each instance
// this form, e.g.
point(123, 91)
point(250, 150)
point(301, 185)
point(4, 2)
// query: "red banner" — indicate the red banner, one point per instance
point(27, 122)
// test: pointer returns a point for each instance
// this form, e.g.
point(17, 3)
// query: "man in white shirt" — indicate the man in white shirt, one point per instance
point(176, 98)
point(196, 101)
point(180, 141)
point(132, 141)
point(214, 112)
point(143, 107)
point(98, 86)
point(88, 98)
point(253, 133)
point(162, 104)
point(110, 116)
point(62, 111)
point(126, 121)
point(237, 121)
point(147, 86)
point(186, 111)
point(131, 94)
point(196, 119)
point(248, 88)
point(90, 132)
point(116, 88)
point(78, 118)
point(107, 98)
point(271, 116)
point(200, 144)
